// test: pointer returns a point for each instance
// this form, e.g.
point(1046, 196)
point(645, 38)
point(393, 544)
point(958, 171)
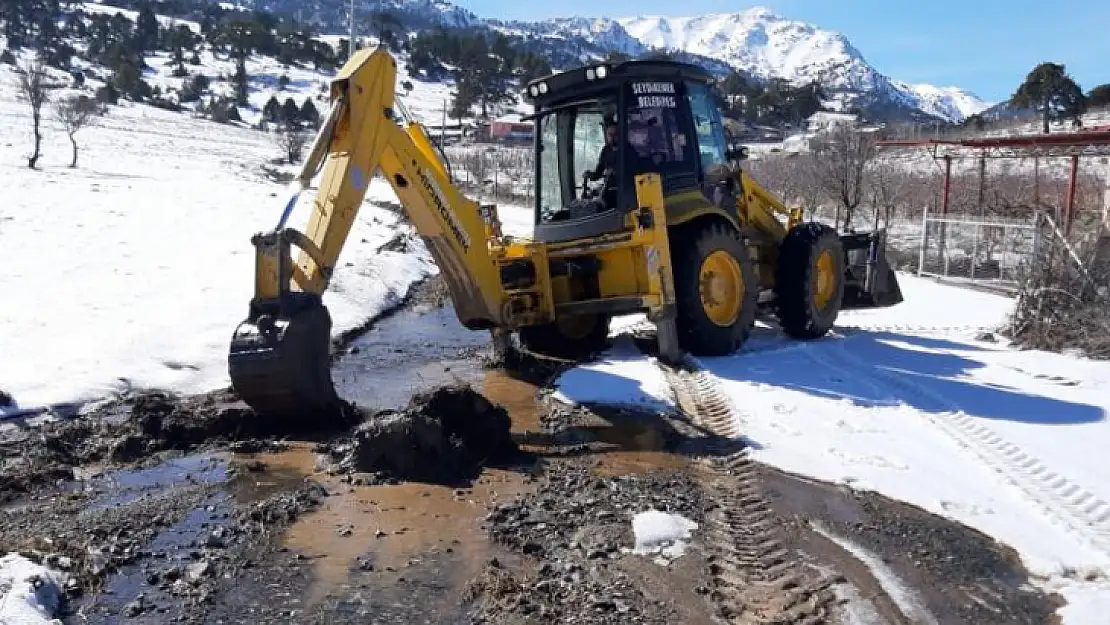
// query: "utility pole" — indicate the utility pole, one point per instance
point(351, 43)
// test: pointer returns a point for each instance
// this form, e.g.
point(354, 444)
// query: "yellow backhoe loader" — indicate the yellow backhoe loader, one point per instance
point(641, 206)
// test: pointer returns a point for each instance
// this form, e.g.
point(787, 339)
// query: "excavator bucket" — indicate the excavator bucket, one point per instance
point(280, 361)
point(869, 280)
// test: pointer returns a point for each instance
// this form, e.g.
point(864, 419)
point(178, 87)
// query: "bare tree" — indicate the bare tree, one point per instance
point(891, 187)
point(74, 113)
point(292, 140)
point(793, 177)
point(33, 89)
point(842, 156)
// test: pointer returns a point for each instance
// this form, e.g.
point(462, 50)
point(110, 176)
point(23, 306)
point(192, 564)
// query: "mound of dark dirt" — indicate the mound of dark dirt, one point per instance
point(5, 399)
point(444, 436)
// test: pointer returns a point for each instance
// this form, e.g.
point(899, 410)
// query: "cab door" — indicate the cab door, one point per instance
point(709, 130)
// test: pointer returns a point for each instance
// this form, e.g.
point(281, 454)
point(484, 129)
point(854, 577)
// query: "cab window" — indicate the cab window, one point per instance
point(570, 143)
point(707, 125)
point(589, 139)
point(655, 129)
point(550, 196)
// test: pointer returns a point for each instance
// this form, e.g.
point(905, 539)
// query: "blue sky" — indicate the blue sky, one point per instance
point(986, 46)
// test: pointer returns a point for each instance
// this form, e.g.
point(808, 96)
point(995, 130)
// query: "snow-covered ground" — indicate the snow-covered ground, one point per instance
point(134, 268)
point(30, 594)
point(906, 402)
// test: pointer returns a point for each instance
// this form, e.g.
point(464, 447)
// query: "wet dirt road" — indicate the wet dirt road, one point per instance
point(264, 530)
point(418, 348)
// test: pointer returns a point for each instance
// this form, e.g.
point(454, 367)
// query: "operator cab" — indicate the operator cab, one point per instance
point(598, 127)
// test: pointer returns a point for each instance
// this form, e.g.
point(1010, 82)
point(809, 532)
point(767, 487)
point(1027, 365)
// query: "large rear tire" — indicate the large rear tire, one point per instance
point(570, 338)
point(716, 289)
point(809, 281)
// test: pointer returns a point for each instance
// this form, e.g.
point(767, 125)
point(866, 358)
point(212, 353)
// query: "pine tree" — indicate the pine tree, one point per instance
point(309, 114)
point(290, 112)
point(466, 95)
point(1099, 96)
point(272, 111)
point(146, 29)
point(242, 37)
point(1050, 90)
point(180, 40)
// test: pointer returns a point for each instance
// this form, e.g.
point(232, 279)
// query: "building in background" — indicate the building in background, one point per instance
point(510, 128)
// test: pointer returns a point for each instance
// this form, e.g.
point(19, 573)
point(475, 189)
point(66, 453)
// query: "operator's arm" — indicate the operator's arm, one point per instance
point(598, 172)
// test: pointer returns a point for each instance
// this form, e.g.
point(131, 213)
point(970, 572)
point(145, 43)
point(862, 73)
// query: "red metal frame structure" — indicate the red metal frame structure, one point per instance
point(1064, 144)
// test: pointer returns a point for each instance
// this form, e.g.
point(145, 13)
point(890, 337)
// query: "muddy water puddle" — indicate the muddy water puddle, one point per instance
point(626, 443)
point(638, 445)
point(382, 535)
point(516, 396)
point(119, 487)
point(387, 528)
point(414, 350)
point(396, 530)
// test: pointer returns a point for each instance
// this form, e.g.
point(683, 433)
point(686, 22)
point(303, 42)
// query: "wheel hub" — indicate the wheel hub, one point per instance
point(824, 284)
point(721, 286)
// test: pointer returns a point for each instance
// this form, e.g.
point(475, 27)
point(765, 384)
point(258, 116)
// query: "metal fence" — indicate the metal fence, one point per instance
point(495, 173)
point(980, 249)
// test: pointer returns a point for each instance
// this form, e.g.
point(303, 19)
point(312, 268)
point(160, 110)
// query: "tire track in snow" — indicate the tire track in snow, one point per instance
point(850, 330)
point(905, 599)
point(1060, 497)
point(647, 328)
point(756, 579)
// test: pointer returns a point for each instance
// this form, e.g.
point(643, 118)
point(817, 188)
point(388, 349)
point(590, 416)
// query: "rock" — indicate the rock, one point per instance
point(215, 540)
point(135, 608)
point(197, 570)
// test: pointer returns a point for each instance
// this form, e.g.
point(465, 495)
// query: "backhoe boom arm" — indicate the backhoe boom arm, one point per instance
point(359, 139)
point(278, 356)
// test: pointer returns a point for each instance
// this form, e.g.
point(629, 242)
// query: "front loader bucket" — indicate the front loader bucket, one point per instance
point(280, 361)
point(869, 280)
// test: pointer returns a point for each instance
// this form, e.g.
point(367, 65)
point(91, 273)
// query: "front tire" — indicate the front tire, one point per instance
point(809, 281)
point(716, 289)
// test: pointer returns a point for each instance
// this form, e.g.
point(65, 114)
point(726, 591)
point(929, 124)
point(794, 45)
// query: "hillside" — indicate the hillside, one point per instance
point(154, 225)
point(756, 42)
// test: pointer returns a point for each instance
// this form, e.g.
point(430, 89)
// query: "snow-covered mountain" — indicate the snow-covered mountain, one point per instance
point(768, 45)
point(764, 44)
point(951, 103)
point(756, 41)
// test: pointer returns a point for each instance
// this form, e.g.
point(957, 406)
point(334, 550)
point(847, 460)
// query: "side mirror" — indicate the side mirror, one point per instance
point(736, 152)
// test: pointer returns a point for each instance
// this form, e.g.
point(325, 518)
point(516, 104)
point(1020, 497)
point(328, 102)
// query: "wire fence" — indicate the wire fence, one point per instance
point(496, 173)
point(990, 250)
